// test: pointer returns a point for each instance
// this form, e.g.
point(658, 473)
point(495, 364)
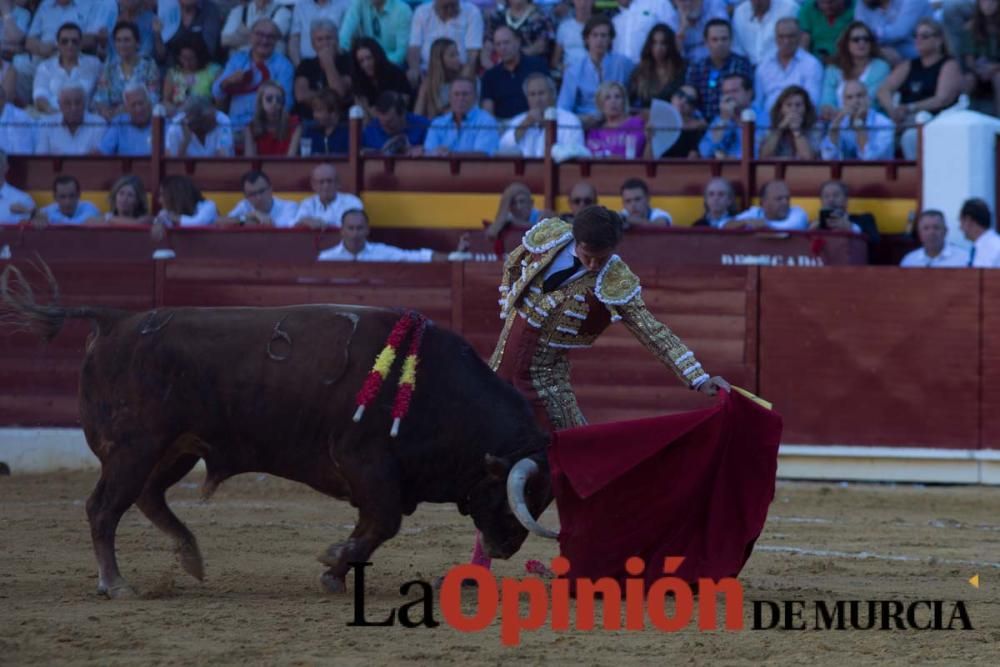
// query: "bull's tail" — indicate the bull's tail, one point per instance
point(20, 310)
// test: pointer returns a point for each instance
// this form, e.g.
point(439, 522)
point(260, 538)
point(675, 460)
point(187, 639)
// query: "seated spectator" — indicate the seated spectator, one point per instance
point(706, 74)
point(74, 131)
point(790, 65)
point(822, 23)
point(128, 68)
point(454, 19)
point(236, 31)
point(720, 204)
point(685, 101)
point(530, 25)
point(260, 208)
point(502, 94)
point(634, 21)
point(15, 205)
point(894, 23)
point(354, 246)
point(976, 223)
point(272, 130)
point(526, 132)
point(188, 18)
point(980, 52)
point(43, 34)
point(617, 134)
point(569, 46)
point(67, 209)
point(393, 130)
point(191, 76)
point(330, 68)
point(385, 21)
point(581, 195)
point(326, 208)
point(660, 71)
point(857, 58)
point(435, 89)
point(637, 211)
point(325, 134)
point(517, 207)
point(724, 137)
point(466, 128)
point(834, 216)
point(934, 252)
point(372, 75)
point(17, 128)
point(16, 23)
point(754, 24)
point(581, 81)
point(794, 132)
point(199, 131)
point(131, 11)
point(775, 211)
point(693, 15)
point(858, 132)
point(246, 70)
point(98, 27)
point(69, 66)
point(930, 82)
point(183, 205)
point(127, 204)
point(307, 14)
point(131, 132)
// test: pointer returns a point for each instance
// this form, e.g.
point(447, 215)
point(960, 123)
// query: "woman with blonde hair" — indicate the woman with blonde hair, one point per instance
point(443, 68)
point(126, 204)
point(617, 134)
point(272, 130)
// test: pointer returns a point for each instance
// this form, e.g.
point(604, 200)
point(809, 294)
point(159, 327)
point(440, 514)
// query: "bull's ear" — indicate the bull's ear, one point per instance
point(497, 466)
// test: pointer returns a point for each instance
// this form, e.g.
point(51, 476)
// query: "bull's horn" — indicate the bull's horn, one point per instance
point(516, 481)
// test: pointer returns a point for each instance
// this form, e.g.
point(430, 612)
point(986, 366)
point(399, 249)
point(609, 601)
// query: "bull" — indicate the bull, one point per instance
point(272, 390)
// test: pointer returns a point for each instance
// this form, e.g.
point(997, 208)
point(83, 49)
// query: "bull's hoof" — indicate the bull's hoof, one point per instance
point(119, 591)
point(332, 556)
point(190, 559)
point(332, 583)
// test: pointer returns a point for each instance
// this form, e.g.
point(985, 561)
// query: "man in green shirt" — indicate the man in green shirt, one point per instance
point(822, 23)
point(385, 21)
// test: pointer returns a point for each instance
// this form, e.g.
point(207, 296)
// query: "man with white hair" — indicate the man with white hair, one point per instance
point(236, 31)
point(466, 128)
point(326, 208)
point(17, 129)
point(74, 131)
point(329, 68)
point(307, 11)
point(15, 205)
point(199, 131)
point(788, 65)
point(526, 131)
point(131, 133)
point(858, 132)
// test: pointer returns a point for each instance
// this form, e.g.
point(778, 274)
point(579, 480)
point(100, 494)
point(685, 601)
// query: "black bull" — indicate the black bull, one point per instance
point(273, 390)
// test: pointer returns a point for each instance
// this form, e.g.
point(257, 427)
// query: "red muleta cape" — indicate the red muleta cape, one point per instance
point(696, 484)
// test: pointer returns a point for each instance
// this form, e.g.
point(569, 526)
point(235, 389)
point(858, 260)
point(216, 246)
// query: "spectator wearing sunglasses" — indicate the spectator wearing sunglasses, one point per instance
point(706, 75)
point(857, 58)
point(693, 124)
point(385, 21)
point(67, 66)
point(272, 131)
point(581, 196)
point(894, 23)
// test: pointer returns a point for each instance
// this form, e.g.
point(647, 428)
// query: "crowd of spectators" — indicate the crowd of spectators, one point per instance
point(832, 79)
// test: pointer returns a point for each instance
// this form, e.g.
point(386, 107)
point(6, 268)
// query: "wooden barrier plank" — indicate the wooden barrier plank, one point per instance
point(990, 360)
point(846, 364)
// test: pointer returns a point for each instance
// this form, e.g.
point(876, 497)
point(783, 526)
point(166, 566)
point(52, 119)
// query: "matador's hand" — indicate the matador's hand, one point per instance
point(712, 386)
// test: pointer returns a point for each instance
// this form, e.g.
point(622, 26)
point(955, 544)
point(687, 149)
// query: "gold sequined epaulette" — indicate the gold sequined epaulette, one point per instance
point(616, 284)
point(547, 234)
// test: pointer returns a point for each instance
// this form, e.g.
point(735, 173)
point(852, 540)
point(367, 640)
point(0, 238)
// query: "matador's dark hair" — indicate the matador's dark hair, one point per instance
point(598, 227)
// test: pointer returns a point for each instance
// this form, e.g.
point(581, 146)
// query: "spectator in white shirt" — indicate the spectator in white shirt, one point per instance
point(306, 11)
point(934, 252)
point(569, 45)
point(236, 31)
point(753, 27)
point(67, 209)
point(634, 20)
point(199, 131)
point(15, 205)
point(460, 21)
point(260, 207)
point(976, 223)
point(637, 211)
point(326, 208)
point(17, 129)
point(183, 205)
point(68, 66)
point(354, 246)
point(526, 133)
point(858, 132)
point(74, 131)
point(790, 65)
point(775, 211)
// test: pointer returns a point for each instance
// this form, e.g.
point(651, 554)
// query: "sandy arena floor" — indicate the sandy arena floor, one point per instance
point(261, 601)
